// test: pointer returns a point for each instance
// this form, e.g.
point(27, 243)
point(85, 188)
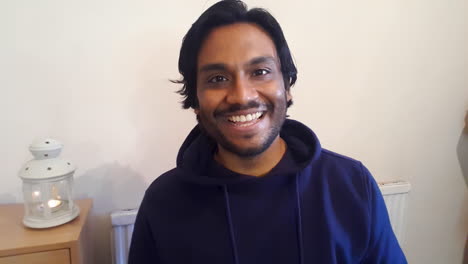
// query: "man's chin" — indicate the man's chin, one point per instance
point(245, 151)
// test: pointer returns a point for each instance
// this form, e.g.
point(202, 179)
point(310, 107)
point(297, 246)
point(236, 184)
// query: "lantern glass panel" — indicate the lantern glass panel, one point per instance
point(47, 199)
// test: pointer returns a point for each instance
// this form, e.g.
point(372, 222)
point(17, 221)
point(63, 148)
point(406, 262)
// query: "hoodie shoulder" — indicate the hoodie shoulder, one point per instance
point(345, 175)
point(166, 179)
point(345, 160)
point(164, 186)
point(346, 168)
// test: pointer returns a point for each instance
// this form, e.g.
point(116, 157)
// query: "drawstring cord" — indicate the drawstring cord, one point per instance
point(299, 221)
point(231, 227)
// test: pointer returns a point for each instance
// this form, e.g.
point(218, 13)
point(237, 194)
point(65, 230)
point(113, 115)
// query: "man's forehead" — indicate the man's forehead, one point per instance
point(237, 43)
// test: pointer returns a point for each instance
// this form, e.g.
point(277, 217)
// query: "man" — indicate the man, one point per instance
point(251, 186)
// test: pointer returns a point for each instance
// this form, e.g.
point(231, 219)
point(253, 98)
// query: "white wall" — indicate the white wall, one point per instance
point(381, 81)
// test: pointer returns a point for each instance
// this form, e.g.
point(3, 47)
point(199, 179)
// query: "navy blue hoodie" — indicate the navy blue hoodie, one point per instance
point(315, 206)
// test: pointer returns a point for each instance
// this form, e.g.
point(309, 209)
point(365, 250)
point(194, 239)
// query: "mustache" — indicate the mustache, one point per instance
point(240, 107)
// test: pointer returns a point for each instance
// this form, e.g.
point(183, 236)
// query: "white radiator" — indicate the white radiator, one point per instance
point(121, 235)
point(395, 194)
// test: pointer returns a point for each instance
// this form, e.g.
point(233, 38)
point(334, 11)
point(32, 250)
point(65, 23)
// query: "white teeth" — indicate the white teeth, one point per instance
point(245, 118)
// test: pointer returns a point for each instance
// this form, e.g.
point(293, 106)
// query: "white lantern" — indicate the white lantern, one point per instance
point(47, 186)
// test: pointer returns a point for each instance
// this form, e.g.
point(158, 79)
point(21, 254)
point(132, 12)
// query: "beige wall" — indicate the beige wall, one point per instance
point(381, 81)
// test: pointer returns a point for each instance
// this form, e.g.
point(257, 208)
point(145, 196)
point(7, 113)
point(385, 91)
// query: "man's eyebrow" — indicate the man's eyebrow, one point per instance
point(213, 67)
point(262, 59)
point(224, 67)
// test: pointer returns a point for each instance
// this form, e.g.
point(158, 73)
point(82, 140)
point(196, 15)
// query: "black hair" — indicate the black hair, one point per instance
point(220, 14)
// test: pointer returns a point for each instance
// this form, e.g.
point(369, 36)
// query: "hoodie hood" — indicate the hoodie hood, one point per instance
point(196, 155)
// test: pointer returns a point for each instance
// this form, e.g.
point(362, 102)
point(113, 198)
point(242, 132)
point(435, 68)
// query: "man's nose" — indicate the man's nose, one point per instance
point(241, 92)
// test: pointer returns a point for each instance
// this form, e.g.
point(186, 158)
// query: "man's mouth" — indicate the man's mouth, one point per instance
point(245, 119)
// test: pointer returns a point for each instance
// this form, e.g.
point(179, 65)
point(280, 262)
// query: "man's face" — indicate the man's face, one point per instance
point(240, 89)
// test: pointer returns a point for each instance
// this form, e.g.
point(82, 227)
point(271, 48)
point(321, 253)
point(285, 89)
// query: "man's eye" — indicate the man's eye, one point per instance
point(217, 78)
point(260, 72)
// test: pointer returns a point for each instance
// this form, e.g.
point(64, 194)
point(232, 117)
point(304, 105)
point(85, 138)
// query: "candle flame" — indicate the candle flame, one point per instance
point(54, 203)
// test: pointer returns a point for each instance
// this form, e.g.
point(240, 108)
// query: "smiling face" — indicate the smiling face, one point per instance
point(240, 89)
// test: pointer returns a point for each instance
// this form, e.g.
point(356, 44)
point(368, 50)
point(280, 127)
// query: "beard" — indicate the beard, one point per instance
point(277, 116)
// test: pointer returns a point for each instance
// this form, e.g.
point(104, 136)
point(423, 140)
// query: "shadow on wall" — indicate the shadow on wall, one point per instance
point(112, 187)
point(462, 153)
point(462, 150)
point(6, 198)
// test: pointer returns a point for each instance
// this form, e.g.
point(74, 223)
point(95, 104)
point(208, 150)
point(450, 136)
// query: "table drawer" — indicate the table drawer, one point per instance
point(60, 256)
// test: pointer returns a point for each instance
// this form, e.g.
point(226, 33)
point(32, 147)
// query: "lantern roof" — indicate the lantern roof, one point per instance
point(46, 163)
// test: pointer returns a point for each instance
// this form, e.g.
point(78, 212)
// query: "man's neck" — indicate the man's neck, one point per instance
point(255, 166)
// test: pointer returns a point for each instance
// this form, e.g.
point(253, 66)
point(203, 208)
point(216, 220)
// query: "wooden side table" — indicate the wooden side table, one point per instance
point(63, 244)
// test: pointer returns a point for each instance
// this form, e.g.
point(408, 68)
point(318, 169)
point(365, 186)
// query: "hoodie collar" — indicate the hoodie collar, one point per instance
point(196, 156)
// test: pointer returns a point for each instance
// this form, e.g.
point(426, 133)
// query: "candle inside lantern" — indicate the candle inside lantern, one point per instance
point(54, 203)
